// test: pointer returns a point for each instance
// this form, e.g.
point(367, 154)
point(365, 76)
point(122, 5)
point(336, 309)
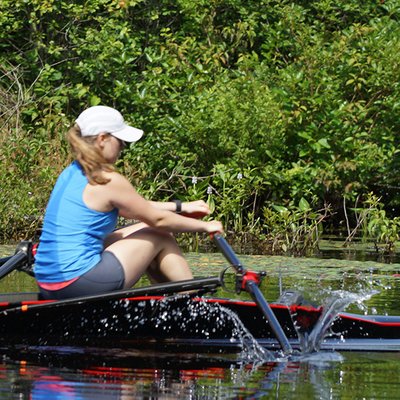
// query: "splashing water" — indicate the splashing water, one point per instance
point(208, 319)
point(252, 351)
point(336, 303)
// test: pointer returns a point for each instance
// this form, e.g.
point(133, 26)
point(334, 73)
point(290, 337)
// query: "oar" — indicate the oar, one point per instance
point(251, 286)
point(4, 260)
point(22, 259)
point(13, 263)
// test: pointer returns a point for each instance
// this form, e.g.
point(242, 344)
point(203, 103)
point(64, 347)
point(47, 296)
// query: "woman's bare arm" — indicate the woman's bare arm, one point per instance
point(123, 196)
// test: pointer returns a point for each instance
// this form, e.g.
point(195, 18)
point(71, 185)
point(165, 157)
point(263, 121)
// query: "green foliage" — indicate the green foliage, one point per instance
point(29, 168)
point(376, 226)
point(300, 98)
point(296, 229)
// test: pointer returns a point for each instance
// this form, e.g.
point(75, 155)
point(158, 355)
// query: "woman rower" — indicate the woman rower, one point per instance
point(80, 252)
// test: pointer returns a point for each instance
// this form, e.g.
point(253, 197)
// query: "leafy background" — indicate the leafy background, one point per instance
point(273, 111)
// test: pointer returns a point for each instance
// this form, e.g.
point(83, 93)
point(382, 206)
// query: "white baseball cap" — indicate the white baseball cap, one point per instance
point(99, 119)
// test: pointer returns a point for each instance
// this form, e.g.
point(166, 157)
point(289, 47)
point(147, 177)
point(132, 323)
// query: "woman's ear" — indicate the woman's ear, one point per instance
point(101, 139)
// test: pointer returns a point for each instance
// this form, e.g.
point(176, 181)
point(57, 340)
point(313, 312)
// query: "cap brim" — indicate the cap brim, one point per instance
point(128, 134)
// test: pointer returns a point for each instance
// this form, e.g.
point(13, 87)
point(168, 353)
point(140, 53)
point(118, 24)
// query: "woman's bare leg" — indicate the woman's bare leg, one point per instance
point(142, 249)
point(122, 233)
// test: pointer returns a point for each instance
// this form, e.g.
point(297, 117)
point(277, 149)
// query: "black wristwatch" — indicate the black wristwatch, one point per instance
point(178, 204)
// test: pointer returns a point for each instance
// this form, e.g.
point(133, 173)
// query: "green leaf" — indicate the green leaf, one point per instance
point(304, 205)
point(324, 143)
point(280, 209)
point(94, 100)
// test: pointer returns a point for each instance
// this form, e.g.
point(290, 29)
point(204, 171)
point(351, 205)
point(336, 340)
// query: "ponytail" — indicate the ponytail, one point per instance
point(88, 156)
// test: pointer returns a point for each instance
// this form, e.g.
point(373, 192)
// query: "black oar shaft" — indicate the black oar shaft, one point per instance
point(14, 262)
point(159, 289)
point(252, 288)
point(4, 260)
point(262, 303)
point(228, 253)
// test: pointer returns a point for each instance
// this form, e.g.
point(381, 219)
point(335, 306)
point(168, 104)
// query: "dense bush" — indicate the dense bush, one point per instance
point(298, 99)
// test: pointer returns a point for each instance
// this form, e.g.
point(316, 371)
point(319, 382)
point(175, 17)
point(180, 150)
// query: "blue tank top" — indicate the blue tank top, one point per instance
point(72, 237)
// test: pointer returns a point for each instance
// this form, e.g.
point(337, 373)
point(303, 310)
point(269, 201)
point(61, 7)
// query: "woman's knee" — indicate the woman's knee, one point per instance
point(155, 236)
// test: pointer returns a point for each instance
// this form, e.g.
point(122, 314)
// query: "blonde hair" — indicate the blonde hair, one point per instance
point(89, 156)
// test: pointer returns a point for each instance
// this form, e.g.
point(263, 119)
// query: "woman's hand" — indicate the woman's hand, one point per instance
point(195, 209)
point(214, 227)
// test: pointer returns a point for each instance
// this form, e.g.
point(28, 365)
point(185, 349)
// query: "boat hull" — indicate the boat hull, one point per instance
point(180, 323)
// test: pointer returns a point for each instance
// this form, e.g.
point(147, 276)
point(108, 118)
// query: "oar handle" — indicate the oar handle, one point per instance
point(228, 253)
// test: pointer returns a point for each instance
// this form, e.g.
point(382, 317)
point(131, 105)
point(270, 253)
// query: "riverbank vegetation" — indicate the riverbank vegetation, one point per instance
point(283, 115)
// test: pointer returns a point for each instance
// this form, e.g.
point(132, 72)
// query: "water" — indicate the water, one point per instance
point(125, 374)
point(336, 303)
point(356, 375)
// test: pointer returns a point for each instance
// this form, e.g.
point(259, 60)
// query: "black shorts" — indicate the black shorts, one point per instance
point(106, 276)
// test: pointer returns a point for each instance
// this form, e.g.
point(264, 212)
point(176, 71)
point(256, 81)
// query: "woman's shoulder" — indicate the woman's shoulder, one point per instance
point(116, 179)
point(103, 197)
point(117, 192)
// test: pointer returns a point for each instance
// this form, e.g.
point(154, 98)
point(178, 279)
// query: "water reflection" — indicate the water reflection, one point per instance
point(356, 251)
point(114, 373)
point(142, 375)
point(51, 374)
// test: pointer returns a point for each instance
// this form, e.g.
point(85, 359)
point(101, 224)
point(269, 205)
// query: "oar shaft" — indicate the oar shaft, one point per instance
point(4, 260)
point(252, 288)
point(159, 289)
point(262, 303)
point(14, 262)
point(228, 253)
